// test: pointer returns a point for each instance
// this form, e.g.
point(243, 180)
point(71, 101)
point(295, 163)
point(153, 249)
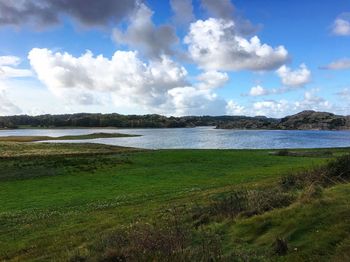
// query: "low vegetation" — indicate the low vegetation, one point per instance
point(102, 203)
point(71, 137)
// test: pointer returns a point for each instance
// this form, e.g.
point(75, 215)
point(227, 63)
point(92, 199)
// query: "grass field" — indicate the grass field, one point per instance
point(58, 202)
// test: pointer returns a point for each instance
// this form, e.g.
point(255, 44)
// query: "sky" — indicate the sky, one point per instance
point(174, 57)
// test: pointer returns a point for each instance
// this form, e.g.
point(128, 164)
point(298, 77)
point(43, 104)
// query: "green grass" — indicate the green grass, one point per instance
point(57, 199)
point(76, 137)
point(318, 230)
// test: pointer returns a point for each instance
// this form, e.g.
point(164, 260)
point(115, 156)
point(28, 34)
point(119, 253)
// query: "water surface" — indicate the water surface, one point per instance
point(202, 138)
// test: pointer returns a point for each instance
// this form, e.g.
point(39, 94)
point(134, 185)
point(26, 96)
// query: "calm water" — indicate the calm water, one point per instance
point(203, 137)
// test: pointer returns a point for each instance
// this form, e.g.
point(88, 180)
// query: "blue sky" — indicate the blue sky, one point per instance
point(176, 57)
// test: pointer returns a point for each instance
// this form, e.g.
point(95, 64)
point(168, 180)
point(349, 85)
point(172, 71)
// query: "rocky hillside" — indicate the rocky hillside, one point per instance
point(315, 120)
point(306, 120)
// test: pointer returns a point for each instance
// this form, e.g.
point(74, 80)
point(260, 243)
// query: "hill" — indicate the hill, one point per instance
point(305, 120)
point(302, 121)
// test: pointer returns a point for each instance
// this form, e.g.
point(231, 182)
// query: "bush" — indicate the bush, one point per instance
point(281, 246)
point(250, 202)
point(336, 171)
point(340, 168)
point(171, 238)
point(282, 152)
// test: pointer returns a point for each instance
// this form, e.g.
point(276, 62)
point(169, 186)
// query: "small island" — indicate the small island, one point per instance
point(62, 138)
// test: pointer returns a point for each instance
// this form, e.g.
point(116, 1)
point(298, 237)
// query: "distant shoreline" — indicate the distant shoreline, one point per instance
point(305, 120)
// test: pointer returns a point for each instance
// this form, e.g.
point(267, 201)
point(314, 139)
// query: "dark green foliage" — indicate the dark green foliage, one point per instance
point(336, 171)
point(169, 238)
point(281, 246)
point(282, 152)
point(248, 202)
point(317, 153)
point(303, 120)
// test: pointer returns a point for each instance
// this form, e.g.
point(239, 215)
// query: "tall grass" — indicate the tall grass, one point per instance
point(185, 233)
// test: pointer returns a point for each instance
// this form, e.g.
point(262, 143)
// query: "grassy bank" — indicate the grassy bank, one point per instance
point(72, 137)
point(64, 202)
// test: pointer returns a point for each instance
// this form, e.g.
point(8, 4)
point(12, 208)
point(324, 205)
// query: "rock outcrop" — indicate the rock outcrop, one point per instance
point(305, 120)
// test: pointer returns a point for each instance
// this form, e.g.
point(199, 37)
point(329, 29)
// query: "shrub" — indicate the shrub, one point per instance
point(336, 171)
point(250, 202)
point(282, 152)
point(281, 247)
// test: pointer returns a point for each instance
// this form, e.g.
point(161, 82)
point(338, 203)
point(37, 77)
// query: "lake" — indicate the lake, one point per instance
point(202, 138)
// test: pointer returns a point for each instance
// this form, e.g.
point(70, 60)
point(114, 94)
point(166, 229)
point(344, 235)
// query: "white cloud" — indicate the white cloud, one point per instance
point(296, 78)
point(9, 60)
point(212, 79)
point(258, 91)
point(344, 94)
point(338, 65)
point(312, 101)
point(232, 108)
point(283, 107)
point(271, 108)
point(191, 101)
point(143, 34)
point(215, 45)
point(158, 86)
point(341, 25)
point(8, 68)
point(7, 107)
point(124, 74)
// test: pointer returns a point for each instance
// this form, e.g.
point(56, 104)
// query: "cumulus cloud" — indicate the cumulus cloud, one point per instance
point(214, 45)
point(271, 108)
point(124, 74)
point(224, 9)
point(9, 60)
point(42, 13)
point(296, 78)
point(312, 101)
point(158, 86)
point(221, 9)
point(232, 108)
point(280, 108)
point(191, 101)
point(258, 91)
point(341, 25)
point(212, 79)
point(338, 65)
point(183, 11)
point(8, 68)
point(7, 107)
point(143, 34)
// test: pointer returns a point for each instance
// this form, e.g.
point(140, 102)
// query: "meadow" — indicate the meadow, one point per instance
point(89, 202)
